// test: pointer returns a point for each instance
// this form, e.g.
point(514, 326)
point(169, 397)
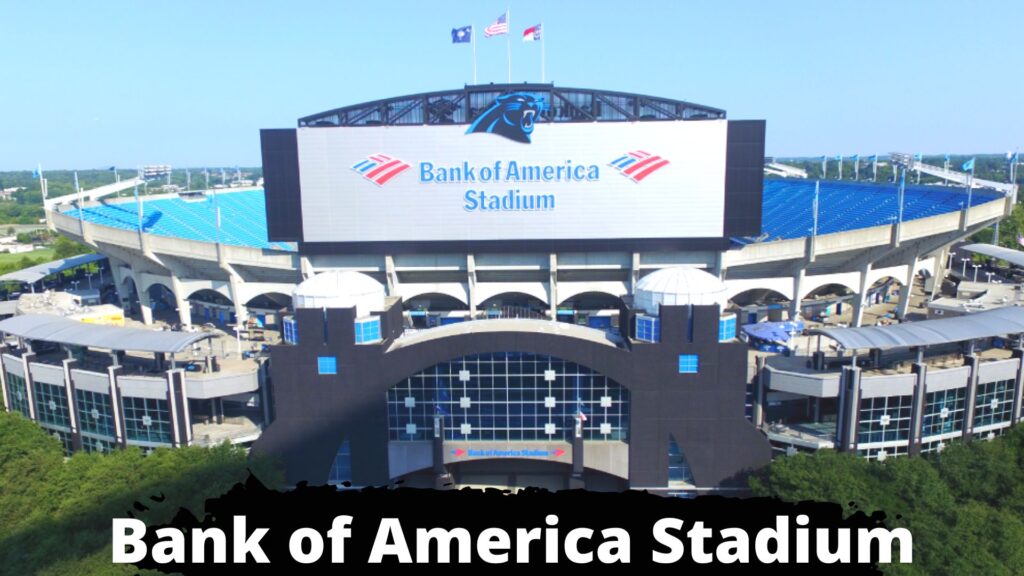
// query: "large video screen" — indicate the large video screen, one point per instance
point(511, 180)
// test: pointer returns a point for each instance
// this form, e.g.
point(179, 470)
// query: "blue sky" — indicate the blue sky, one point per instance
point(190, 83)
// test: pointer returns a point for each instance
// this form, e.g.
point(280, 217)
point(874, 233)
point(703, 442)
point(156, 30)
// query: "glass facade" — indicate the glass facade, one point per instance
point(92, 444)
point(326, 365)
point(341, 468)
point(727, 328)
point(94, 413)
point(508, 396)
point(688, 364)
point(648, 328)
point(884, 419)
point(679, 473)
point(943, 412)
point(290, 330)
point(147, 420)
point(16, 393)
point(368, 330)
point(993, 403)
point(51, 405)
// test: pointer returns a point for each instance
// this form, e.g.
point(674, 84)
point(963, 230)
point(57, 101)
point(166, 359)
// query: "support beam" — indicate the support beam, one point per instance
point(860, 298)
point(181, 301)
point(145, 306)
point(903, 305)
point(553, 284)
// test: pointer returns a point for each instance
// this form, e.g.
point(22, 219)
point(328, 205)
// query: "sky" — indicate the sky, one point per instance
point(191, 83)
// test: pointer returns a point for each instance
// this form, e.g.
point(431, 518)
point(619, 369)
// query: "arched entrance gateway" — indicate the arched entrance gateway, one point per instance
point(509, 419)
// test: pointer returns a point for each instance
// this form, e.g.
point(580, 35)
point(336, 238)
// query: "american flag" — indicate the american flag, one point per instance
point(637, 165)
point(499, 27)
point(379, 168)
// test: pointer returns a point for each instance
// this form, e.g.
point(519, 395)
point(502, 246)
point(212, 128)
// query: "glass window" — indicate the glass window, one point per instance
point(146, 420)
point(94, 413)
point(688, 364)
point(290, 333)
point(943, 412)
point(726, 328)
point(368, 330)
point(648, 328)
point(679, 473)
point(51, 405)
point(327, 365)
point(482, 397)
point(16, 392)
point(993, 403)
point(884, 419)
point(341, 468)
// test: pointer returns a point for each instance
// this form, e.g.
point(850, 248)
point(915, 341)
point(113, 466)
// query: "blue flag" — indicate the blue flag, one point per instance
point(460, 35)
point(856, 158)
point(968, 166)
point(838, 157)
point(917, 157)
point(873, 157)
point(823, 158)
point(35, 173)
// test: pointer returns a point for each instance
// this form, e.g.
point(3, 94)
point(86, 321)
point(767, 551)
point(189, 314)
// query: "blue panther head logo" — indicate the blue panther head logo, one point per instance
point(511, 115)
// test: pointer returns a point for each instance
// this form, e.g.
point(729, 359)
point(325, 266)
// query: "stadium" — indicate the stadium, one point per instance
point(529, 285)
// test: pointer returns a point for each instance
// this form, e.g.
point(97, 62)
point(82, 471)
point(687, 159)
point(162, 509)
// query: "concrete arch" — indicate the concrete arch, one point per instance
point(737, 301)
point(279, 299)
point(613, 300)
point(455, 290)
point(811, 293)
point(897, 272)
point(783, 286)
point(486, 291)
point(567, 290)
point(849, 280)
point(211, 296)
point(436, 300)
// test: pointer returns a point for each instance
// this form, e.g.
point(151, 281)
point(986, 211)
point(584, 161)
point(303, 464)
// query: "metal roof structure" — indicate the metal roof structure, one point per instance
point(39, 271)
point(462, 106)
point(64, 331)
point(1015, 257)
point(998, 322)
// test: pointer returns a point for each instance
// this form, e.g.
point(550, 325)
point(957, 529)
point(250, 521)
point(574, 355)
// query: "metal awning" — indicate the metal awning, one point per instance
point(1015, 257)
point(39, 271)
point(64, 331)
point(998, 322)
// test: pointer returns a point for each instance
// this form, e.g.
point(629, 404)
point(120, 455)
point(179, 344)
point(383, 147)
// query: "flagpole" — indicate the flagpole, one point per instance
point(543, 35)
point(472, 42)
point(508, 42)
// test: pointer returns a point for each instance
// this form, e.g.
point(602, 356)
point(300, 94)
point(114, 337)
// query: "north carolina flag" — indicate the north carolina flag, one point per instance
point(531, 34)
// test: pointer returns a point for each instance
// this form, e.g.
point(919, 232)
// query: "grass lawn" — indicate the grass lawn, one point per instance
point(43, 255)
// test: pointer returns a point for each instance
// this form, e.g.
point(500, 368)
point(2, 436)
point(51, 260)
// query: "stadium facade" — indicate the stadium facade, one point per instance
point(637, 219)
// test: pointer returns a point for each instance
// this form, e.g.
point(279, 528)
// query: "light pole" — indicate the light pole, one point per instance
point(975, 266)
point(238, 339)
point(989, 274)
point(964, 271)
point(952, 258)
point(88, 276)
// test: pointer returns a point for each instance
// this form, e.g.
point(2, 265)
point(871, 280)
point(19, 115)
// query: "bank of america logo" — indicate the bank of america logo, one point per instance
point(379, 168)
point(637, 165)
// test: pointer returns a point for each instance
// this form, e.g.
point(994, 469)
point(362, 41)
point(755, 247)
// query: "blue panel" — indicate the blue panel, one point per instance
point(327, 365)
point(688, 364)
point(600, 322)
point(368, 330)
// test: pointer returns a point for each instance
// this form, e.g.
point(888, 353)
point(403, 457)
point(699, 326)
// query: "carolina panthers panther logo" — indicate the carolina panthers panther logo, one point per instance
point(511, 116)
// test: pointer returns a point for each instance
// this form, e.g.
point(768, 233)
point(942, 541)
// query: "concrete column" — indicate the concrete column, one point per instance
point(1018, 389)
point(118, 275)
point(120, 437)
point(634, 272)
point(390, 275)
point(181, 301)
point(798, 289)
point(241, 312)
point(69, 392)
point(3, 388)
point(920, 371)
point(145, 305)
point(471, 279)
point(762, 379)
point(553, 284)
point(860, 298)
point(972, 362)
point(939, 272)
point(27, 359)
point(576, 478)
point(908, 282)
point(849, 409)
